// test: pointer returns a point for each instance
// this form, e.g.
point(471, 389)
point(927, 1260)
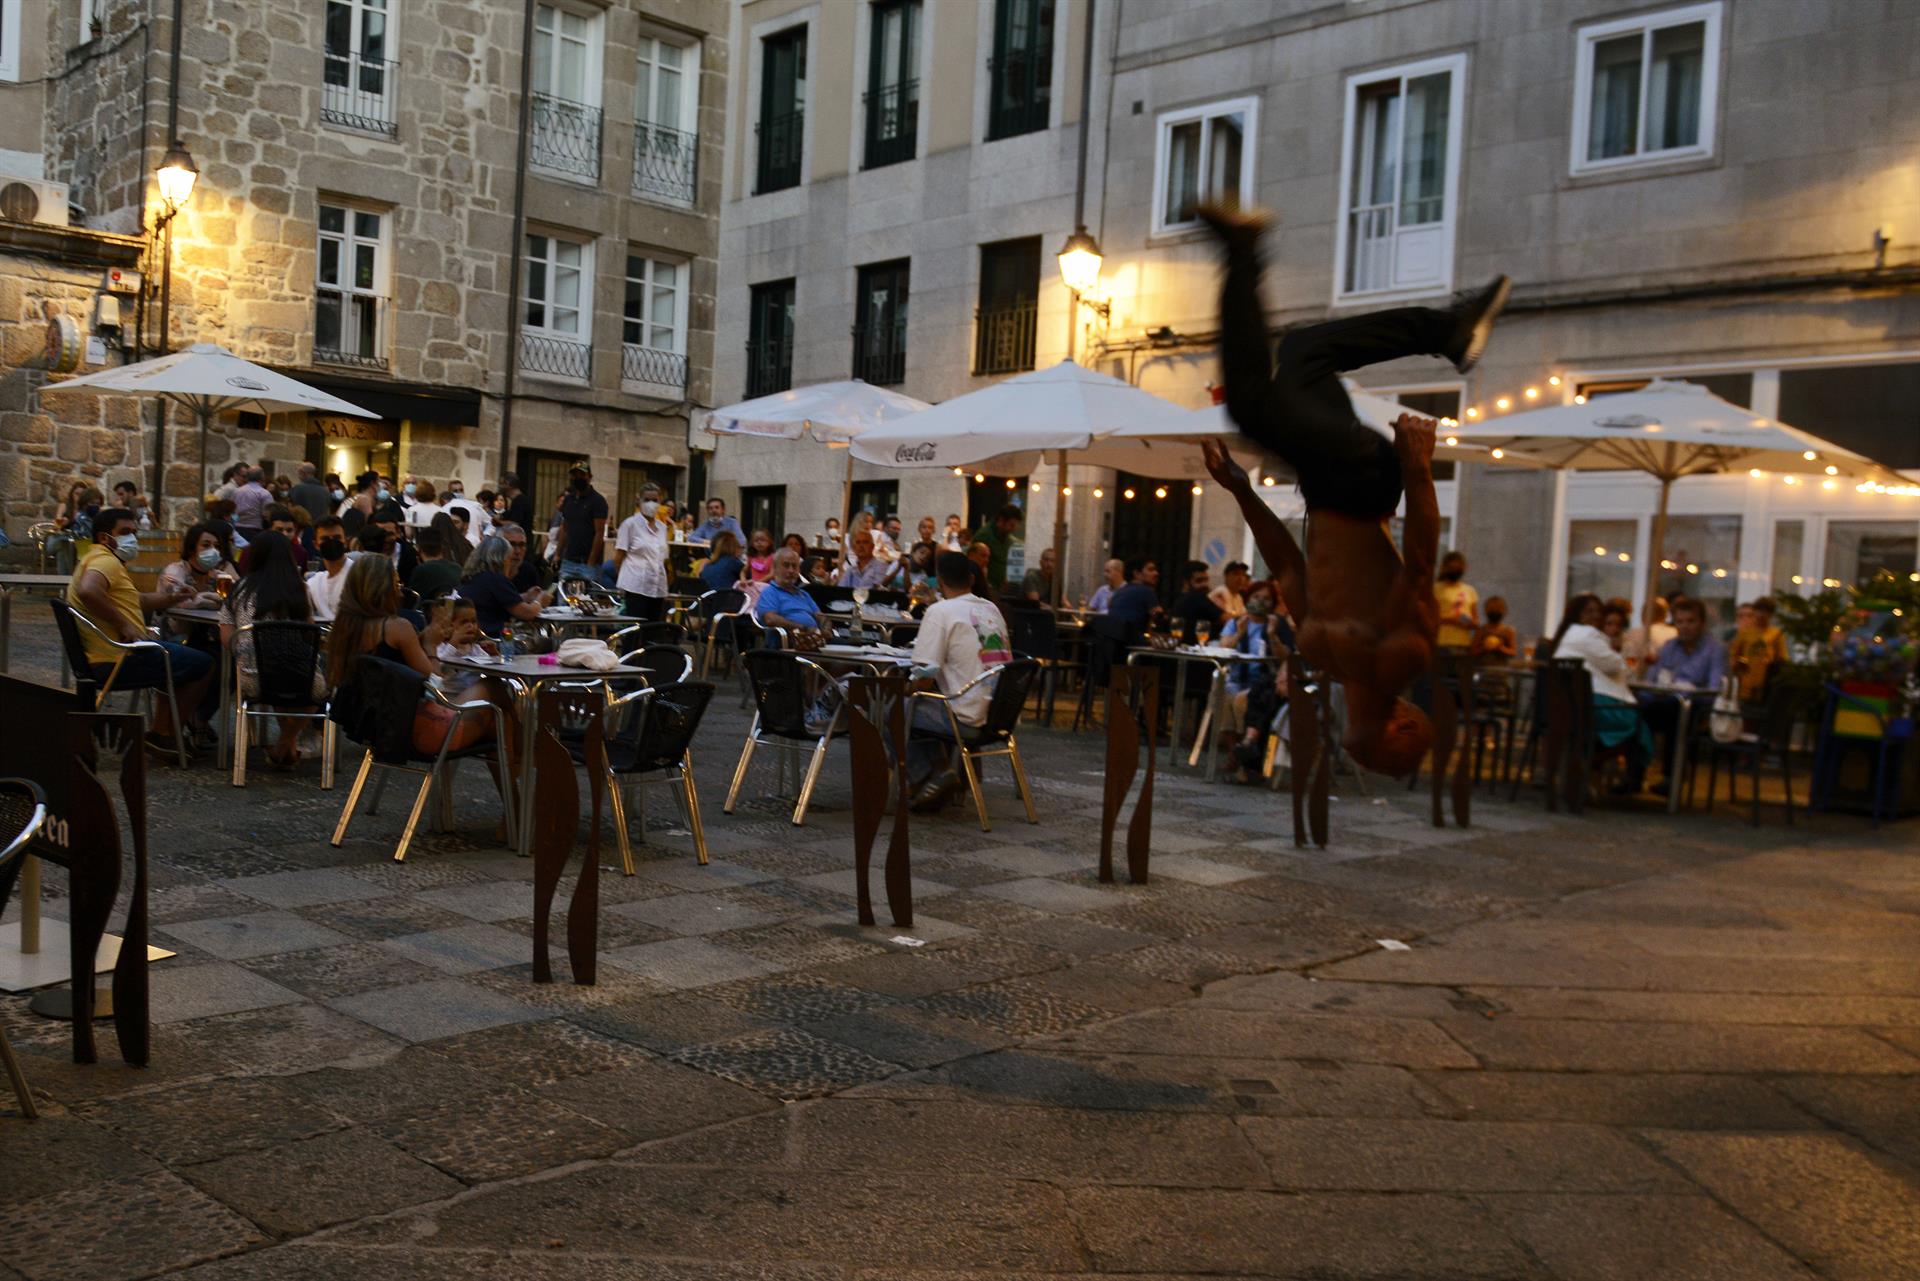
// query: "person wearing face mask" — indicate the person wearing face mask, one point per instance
point(640, 558)
point(1256, 690)
point(1459, 604)
point(1495, 641)
point(103, 592)
point(324, 584)
point(195, 576)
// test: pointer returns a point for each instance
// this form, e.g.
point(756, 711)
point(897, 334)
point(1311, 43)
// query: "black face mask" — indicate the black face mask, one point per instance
point(1494, 616)
point(578, 484)
point(332, 548)
point(1452, 575)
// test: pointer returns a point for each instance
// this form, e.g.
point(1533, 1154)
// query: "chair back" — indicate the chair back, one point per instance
point(70, 637)
point(1034, 633)
point(664, 664)
point(689, 585)
point(1108, 641)
point(375, 706)
point(1011, 687)
point(285, 654)
point(782, 691)
point(661, 634)
point(730, 601)
point(660, 737)
point(1787, 703)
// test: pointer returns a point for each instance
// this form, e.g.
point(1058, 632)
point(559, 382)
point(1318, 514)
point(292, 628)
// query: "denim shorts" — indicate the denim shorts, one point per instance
point(142, 667)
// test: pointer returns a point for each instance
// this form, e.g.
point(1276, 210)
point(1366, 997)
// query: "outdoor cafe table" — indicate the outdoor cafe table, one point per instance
point(211, 618)
point(11, 583)
point(568, 619)
point(877, 659)
point(1684, 696)
point(524, 676)
point(1221, 659)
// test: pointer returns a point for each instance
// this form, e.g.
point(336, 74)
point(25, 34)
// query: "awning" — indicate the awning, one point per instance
point(419, 402)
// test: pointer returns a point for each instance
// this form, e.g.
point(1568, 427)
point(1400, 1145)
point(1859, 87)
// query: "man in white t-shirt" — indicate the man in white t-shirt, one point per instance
point(961, 636)
point(640, 558)
point(324, 584)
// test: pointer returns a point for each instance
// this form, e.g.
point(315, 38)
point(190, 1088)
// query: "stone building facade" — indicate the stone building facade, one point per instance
point(363, 169)
point(1722, 190)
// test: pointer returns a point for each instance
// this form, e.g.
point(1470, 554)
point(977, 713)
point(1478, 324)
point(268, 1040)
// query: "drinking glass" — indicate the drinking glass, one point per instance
point(859, 596)
point(1202, 629)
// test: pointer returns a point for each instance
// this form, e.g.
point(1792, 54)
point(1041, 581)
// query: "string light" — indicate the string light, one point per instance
point(1809, 455)
point(1624, 557)
point(1667, 564)
point(979, 478)
point(1692, 568)
point(1268, 481)
point(1755, 472)
point(1503, 403)
point(1499, 453)
point(1034, 486)
point(1196, 489)
point(1829, 484)
point(1719, 573)
point(1099, 492)
point(1066, 491)
point(1599, 551)
point(1579, 400)
point(1473, 411)
point(1789, 480)
point(1160, 491)
point(1127, 494)
point(1453, 440)
point(1829, 582)
point(1014, 484)
point(1533, 393)
point(1876, 487)
point(1553, 380)
point(1832, 470)
point(959, 471)
point(1797, 580)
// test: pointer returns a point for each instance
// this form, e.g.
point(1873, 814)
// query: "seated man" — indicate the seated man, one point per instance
point(1137, 603)
point(1194, 605)
point(1115, 574)
point(103, 591)
point(1231, 594)
point(1366, 614)
point(864, 567)
point(784, 603)
point(1692, 660)
point(961, 636)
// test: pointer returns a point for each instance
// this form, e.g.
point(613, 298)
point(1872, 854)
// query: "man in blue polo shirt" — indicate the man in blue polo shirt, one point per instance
point(783, 602)
point(1694, 660)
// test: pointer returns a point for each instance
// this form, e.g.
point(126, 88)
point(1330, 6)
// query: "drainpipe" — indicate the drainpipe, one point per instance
point(519, 235)
point(1073, 306)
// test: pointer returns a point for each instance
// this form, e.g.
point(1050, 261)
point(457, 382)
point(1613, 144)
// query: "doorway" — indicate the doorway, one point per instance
point(1153, 518)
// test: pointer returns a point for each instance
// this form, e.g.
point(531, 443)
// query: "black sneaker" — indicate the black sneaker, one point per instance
point(935, 795)
point(1476, 313)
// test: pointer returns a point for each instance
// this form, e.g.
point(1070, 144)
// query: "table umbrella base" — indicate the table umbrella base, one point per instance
point(57, 1003)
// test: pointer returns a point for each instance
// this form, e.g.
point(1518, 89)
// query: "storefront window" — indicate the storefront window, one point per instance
point(1859, 549)
point(1701, 559)
point(1600, 558)
point(1789, 546)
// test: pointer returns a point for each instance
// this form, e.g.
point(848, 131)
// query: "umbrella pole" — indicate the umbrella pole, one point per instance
point(846, 507)
point(1657, 545)
point(1060, 533)
point(200, 498)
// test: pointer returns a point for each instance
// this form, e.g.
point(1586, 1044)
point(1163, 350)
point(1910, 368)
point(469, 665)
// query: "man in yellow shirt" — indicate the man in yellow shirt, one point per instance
point(1758, 647)
point(1459, 604)
point(103, 591)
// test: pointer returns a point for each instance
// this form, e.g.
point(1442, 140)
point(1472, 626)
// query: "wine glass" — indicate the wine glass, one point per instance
point(1202, 629)
point(859, 596)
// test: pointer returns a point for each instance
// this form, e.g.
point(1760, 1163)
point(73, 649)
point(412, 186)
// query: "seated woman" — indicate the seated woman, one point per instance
point(497, 604)
point(202, 562)
point(914, 574)
point(724, 566)
point(272, 591)
point(369, 622)
point(1616, 716)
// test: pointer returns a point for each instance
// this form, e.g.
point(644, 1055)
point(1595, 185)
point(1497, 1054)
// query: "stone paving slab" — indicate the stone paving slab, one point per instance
point(182, 992)
point(301, 1186)
point(258, 934)
point(428, 1011)
point(1627, 1238)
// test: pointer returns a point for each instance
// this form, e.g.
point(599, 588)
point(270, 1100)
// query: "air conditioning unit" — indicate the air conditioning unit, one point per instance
point(33, 200)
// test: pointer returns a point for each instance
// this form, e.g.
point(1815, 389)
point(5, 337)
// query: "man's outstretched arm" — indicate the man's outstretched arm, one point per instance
point(1277, 548)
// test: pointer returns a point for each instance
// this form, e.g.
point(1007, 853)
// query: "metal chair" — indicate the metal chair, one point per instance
point(1771, 738)
point(649, 736)
point(711, 611)
point(71, 622)
point(664, 664)
point(1108, 640)
point(385, 728)
point(40, 533)
point(286, 655)
point(797, 707)
point(1036, 633)
point(23, 811)
point(628, 639)
point(1012, 683)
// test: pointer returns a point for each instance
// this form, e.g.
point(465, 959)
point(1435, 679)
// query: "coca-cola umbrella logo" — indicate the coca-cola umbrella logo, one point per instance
point(922, 453)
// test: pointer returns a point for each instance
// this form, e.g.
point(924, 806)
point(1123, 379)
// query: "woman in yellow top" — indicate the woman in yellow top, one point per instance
point(1459, 604)
point(1758, 646)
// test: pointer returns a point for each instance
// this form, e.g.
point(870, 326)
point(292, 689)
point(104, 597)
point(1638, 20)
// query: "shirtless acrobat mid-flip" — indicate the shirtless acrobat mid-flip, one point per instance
point(1364, 613)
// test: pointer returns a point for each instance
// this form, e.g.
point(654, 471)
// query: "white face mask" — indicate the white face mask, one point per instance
point(648, 508)
point(207, 558)
point(127, 546)
point(339, 495)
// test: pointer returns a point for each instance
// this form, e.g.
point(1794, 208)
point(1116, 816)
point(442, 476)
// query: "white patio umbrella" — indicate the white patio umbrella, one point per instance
point(211, 380)
point(1668, 429)
point(1066, 407)
point(831, 413)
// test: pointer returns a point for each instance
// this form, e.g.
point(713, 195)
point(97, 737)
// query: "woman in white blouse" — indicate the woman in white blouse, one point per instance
point(1616, 716)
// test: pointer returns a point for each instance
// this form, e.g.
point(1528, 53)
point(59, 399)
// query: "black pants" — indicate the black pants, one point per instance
point(650, 608)
point(1299, 410)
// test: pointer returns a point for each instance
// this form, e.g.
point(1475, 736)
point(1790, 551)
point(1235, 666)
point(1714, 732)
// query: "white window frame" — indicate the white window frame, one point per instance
point(683, 268)
point(1585, 41)
point(386, 101)
point(584, 335)
point(382, 289)
point(691, 53)
point(1164, 125)
point(595, 55)
point(1456, 65)
point(10, 39)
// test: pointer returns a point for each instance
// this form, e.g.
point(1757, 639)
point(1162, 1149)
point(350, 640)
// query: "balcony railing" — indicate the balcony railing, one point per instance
point(1019, 103)
point(780, 139)
point(1003, 338)
point(349, 329)
point(556, 357)
point(566, 137)
point(652, 366)
point(880, 352)
point(893, 124)
point(359, 92)
point(769, 366)
point(665, 163)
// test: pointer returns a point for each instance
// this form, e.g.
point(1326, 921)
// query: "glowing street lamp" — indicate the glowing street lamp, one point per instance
point(1080, 261)
point(176, 176)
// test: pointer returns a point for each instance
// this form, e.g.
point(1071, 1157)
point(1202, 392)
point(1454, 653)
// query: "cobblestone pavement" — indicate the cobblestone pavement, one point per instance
point(1619, 1046)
